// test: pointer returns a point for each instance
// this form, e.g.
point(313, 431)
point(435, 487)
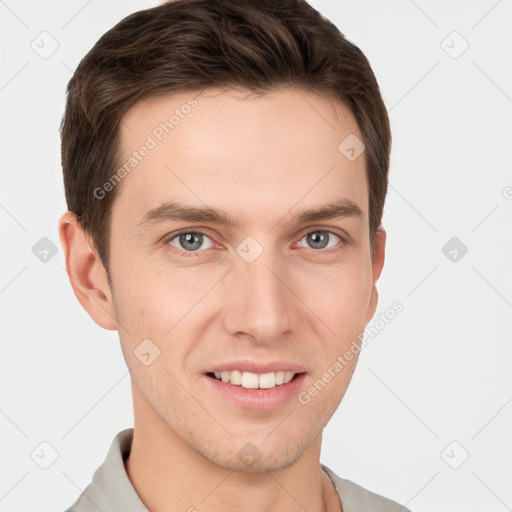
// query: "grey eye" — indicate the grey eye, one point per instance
point(191, 241)
point(321, 239)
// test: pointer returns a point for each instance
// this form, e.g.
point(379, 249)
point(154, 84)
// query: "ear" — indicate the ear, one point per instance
point(377, 264)
point(86, 272)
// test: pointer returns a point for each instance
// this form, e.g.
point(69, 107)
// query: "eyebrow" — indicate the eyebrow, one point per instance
point(174, 211)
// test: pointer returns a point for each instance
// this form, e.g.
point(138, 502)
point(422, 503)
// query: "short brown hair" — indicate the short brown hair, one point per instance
point(189, 45)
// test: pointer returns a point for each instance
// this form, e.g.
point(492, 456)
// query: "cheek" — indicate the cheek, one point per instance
point(138, 298)
point(340, 295)
point(151, 298)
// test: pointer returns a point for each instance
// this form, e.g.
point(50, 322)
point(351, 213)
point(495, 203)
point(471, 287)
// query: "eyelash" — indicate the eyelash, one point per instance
point(198, 253)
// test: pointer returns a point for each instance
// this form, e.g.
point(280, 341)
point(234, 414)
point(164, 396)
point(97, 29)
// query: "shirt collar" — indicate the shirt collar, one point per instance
point(111, 490)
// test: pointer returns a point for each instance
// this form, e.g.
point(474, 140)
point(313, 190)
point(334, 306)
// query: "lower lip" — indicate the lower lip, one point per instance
point(259, 398)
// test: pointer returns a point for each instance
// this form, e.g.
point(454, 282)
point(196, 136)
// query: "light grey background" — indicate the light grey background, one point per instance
point(432, 388)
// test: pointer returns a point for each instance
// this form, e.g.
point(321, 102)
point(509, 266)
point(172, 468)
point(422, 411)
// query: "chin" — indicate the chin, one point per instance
point(251, 458)
point(263, 465)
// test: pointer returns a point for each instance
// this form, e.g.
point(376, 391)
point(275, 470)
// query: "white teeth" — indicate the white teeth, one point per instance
point(267, 380)
point(288, 376)
point(252, 380)
point(235, 377)
point(249, 380)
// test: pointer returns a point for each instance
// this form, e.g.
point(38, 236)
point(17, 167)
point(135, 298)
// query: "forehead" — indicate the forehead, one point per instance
point(240, 151)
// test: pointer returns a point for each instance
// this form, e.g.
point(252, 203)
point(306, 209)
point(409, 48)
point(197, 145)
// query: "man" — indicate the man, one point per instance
point(225, 165)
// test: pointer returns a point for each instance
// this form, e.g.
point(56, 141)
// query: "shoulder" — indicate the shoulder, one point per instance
point(356, 498)
point(111, 489)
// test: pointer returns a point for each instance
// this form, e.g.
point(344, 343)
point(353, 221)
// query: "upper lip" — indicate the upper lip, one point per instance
point(257, 367)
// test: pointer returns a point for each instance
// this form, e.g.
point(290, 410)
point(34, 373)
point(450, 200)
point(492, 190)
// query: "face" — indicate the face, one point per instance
point(264, 279)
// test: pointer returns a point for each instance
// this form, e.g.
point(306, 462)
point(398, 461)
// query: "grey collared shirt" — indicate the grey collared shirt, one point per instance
point(112, 491)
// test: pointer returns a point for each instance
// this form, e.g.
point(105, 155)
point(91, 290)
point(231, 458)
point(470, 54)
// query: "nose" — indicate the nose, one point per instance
point(259, 302)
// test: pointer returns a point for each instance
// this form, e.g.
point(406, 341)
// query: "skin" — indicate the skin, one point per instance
point(262, 160)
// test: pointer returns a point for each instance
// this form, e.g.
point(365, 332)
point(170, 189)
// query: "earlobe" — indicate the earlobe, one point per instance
point(86, 272)
point(377, 264)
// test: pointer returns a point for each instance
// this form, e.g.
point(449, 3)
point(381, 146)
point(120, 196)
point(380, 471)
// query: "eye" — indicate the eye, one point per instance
point(191, 241)
point(321, 239)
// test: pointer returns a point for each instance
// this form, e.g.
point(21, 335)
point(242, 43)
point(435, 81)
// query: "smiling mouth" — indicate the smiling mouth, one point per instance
point(250, 380)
